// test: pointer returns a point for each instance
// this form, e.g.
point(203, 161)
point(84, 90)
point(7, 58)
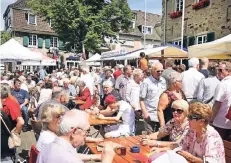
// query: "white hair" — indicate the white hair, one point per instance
point(107, 83)
point(85, 68)
point(137, 72)
point(193, 62)
point(73, 119)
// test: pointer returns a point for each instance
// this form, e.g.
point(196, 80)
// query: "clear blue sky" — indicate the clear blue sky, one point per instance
point(153, 6)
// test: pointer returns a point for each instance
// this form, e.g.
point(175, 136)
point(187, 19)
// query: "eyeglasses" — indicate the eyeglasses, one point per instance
point(86, 132)
point(194, 117)
point(159, 71)
point(179, 111)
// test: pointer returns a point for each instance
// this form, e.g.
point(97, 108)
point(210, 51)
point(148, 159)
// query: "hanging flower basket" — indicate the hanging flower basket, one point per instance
point(176, 14)
point(201, 4)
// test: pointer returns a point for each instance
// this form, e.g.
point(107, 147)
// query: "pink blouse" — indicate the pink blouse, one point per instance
point(175, 132)
point(211, 146)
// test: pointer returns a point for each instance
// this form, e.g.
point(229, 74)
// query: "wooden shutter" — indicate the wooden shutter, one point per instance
point(191, 41)
point(40, 43)
point(25, 41)
point(210, 36)
point(61, 45)
point(47, 43)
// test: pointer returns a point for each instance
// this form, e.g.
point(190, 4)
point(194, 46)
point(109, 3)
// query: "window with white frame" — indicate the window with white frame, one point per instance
point(201, 39)
point(54, 42)
point(32, 40)
point(133, 24)
point(147, 30)
point(50, 22)
point(32, 19)
point(178, 42)
point(178, 5)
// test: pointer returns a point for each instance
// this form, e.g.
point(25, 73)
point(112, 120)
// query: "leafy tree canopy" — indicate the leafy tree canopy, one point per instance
point(85, 21)
point(5, 36)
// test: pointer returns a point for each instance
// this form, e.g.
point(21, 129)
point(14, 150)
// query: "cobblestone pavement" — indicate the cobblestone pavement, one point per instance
point(28, 139)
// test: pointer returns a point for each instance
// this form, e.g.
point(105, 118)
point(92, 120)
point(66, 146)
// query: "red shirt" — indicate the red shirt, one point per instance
point(117, 74)
point(11, 108)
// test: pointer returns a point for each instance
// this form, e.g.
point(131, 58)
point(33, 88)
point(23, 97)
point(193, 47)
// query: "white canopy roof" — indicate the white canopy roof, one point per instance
point(46, 61)
point(12, 50)
point(94, 58)
point(169, 51)
point(217, 48)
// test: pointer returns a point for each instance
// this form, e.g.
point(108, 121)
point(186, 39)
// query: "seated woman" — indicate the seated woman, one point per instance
point(84, 95)
point(202, 143)
point(176, 128)
point(51, 117)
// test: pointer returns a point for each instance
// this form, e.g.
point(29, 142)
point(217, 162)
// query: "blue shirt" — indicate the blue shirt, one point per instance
point(20, 95)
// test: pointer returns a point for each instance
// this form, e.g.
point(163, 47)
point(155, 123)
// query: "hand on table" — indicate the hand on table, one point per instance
point(97, 140)
point(101, 116)
point(148, 142)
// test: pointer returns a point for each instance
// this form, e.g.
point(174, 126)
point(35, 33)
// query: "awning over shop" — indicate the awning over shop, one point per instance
point(218, 49)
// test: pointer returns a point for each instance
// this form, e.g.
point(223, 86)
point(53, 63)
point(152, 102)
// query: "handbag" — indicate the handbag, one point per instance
point(14, 140)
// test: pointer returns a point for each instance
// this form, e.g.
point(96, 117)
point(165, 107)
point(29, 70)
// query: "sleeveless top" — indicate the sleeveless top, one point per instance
point(168, 110)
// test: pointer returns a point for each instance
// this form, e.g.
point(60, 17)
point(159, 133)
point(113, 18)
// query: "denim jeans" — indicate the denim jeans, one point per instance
point(25, 115)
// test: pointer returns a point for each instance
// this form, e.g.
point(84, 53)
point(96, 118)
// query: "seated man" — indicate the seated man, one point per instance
point(125, 111)
point(84, 95)
point(108, 90)
point(69, 87)
point(73, 130)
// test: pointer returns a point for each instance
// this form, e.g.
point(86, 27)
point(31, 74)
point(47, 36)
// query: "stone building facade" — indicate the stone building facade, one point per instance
point(205, 21)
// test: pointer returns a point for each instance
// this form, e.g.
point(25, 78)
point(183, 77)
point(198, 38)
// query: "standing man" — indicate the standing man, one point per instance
point(169, 64)
point(150, 91)
point(42, 73)
point(204, 64)
point(191, 80)
point(222, 99)
point(22, 97)
point(143, 64)
point(122, 81)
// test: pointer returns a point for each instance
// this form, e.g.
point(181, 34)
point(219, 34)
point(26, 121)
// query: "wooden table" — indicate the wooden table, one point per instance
point(79, 102)
point(129, 157)
point(95, 121)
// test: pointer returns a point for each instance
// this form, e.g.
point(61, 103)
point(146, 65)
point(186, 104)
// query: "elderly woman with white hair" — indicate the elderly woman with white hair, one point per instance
point(108, 90)
point(172, 93)
point(176, 128)
point(69, 87)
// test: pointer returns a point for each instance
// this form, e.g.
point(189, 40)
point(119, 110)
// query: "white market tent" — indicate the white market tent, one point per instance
point(169, 52)
point(92, 60)
point(218, 49)
point(14, 51)
point(46, 61)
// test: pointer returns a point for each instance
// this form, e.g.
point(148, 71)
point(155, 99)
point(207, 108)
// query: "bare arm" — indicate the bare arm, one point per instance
point(157, 135)
point(117, 118)
point(87, 157)
point(143, 109)
point(163, 103)
point(19, 125)
point(216, 108)
point(108, 111)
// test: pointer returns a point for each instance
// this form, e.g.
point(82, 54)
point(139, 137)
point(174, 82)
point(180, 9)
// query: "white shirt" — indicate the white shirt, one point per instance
point(24, 87)
point(89, 81)
point(128, 117)
point(132, 94)
point(206, 89)
point(223, 95)
point(45, 94)
point(45, 137)
point(190, 83)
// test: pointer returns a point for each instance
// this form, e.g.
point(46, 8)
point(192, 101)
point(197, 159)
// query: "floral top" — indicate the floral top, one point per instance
point(211, 146)
point(175, 131)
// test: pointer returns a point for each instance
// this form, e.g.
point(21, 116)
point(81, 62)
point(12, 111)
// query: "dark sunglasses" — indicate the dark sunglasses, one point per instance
point(179, 111)
point(194, 117)
point(159, 71)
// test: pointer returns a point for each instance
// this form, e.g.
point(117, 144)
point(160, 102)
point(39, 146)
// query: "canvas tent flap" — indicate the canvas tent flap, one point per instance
point(94, 58)
point(218, 49)
point(12, 50)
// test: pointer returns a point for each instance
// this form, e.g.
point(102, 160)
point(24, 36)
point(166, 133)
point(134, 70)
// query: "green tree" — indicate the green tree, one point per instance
point(5, 36)
point(85, 22)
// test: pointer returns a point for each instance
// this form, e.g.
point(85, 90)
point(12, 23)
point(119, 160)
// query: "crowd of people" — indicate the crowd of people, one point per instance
point(186, 109)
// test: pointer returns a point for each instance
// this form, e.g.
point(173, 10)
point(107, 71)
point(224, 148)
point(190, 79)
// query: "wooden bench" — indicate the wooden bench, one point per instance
point(227, 146)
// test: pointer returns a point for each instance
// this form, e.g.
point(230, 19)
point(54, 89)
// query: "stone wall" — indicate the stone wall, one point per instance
point(214, 18)
point(19, 23)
